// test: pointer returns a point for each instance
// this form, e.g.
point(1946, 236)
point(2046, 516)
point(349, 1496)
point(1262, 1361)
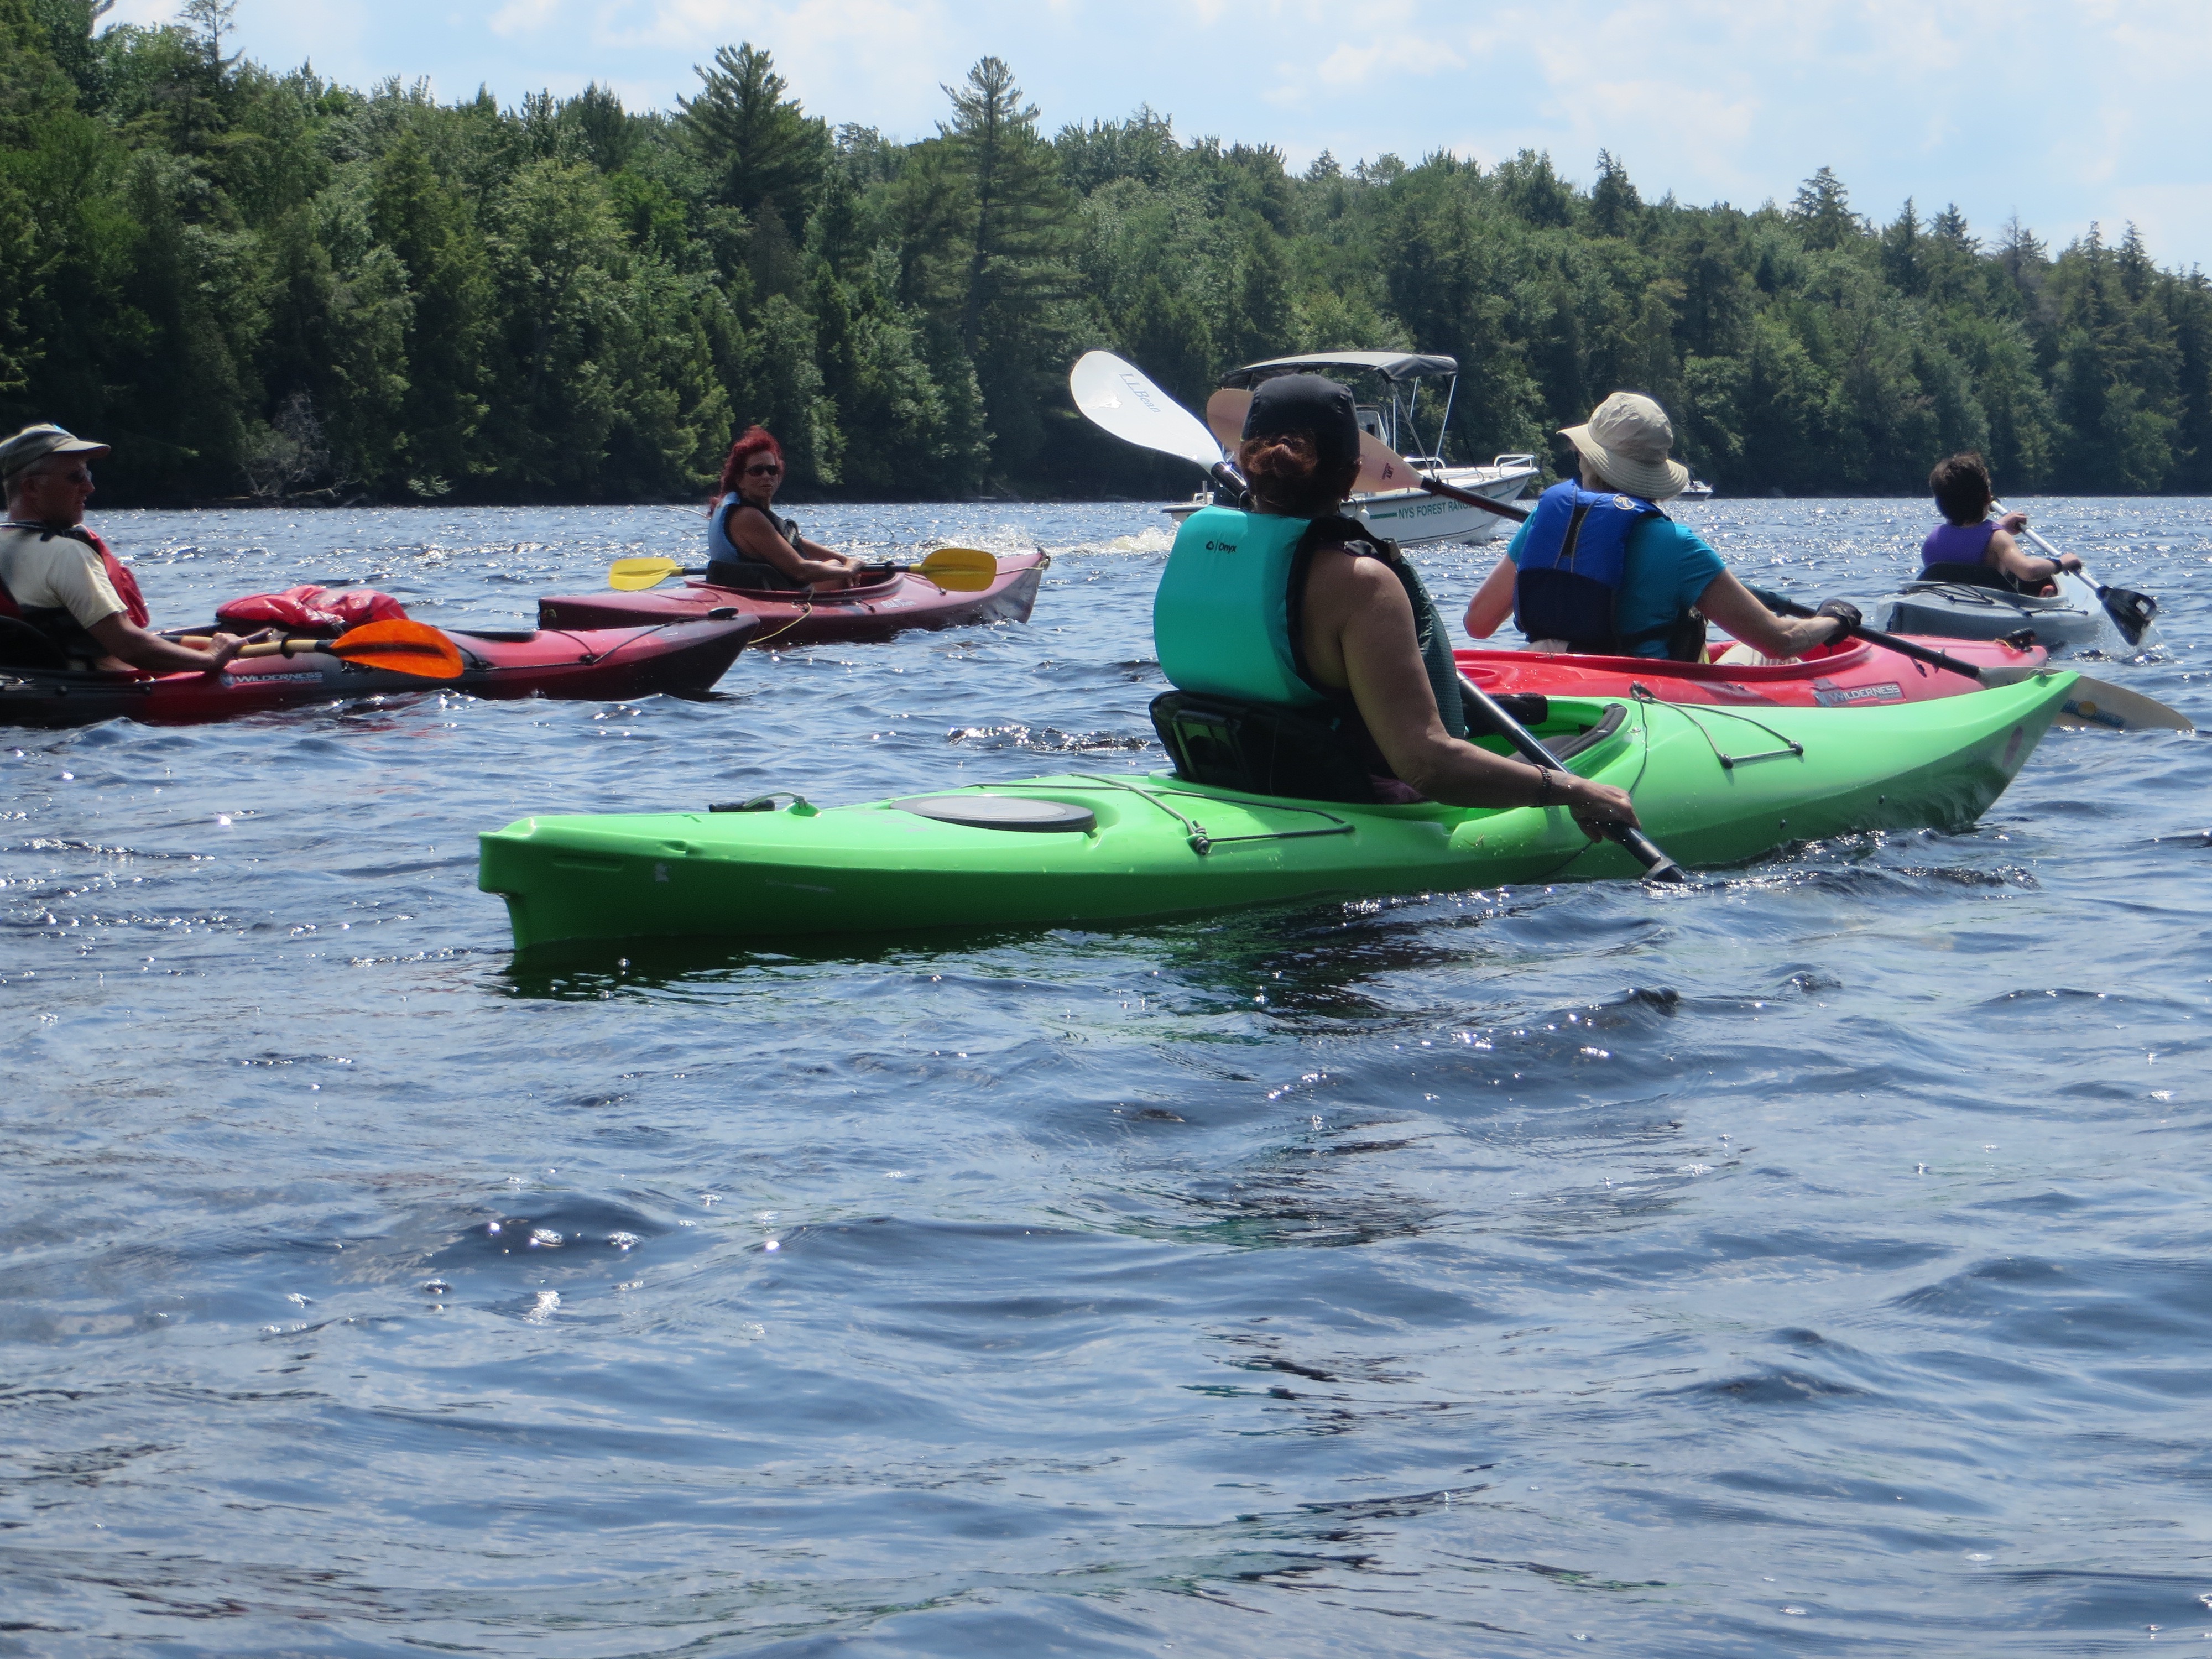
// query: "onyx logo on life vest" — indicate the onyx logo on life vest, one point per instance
point(1220, 547)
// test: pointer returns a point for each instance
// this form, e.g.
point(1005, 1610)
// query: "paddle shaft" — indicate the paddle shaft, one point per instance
point(411, 648)
point(292, 648)
point(634, 575)
point(1656, 865)
point(1453, 492)
point(1904, 647)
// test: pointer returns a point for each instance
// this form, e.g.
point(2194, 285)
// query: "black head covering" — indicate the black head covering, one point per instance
point(1307, 402)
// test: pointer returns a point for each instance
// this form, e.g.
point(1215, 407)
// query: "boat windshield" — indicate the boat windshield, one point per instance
point(1395, 424)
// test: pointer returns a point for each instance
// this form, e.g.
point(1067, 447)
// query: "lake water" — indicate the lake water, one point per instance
point(1816, 1261)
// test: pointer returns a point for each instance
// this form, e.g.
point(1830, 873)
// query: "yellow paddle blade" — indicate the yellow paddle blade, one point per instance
point(403, 647)
point(630, 575)
point(960, 569)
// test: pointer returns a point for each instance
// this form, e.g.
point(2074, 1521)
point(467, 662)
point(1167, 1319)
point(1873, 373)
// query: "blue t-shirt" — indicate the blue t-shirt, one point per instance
point(1667, 565)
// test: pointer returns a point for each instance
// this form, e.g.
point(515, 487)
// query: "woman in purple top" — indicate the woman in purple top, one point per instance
point(1963, 492)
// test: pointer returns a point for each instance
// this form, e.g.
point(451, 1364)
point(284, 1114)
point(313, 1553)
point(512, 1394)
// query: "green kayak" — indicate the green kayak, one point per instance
point(1713, 786)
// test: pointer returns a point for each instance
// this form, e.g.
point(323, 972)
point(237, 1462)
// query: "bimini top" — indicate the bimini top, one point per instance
point(1392, 366)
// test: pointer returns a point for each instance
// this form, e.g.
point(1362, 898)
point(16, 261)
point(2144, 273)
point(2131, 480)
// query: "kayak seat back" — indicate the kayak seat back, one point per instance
point(1569, 745)
point(1967, 575)
point(23, 645)
point(1262, 748)
point(1265, 749)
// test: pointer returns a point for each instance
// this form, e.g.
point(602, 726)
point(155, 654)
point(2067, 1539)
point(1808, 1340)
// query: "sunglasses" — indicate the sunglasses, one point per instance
point(769, 470)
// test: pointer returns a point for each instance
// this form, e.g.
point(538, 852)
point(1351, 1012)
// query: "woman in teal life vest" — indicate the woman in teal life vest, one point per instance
point(747, 544)
point(1599, 568)
point(1290, 605)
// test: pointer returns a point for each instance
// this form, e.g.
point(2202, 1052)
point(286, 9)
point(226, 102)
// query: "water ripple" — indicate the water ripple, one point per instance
point(1811, 1260)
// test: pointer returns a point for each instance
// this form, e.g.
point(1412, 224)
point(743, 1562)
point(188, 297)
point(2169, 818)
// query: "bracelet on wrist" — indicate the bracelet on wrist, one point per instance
point(1544, 781)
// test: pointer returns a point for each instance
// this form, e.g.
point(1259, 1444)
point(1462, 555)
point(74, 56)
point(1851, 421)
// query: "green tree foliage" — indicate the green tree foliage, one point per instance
point(761, 150)
point(266, 283)
point(1016, 216)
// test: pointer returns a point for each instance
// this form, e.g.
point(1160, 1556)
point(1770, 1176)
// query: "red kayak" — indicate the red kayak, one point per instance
point(902, 600)
point(685, 658)
point(1854, 674)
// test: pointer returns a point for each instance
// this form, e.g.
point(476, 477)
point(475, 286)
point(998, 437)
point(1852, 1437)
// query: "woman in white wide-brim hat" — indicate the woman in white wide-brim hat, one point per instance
point(1600, 568)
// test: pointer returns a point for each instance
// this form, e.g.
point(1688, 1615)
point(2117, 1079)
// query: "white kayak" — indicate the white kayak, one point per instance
point(1973, 609)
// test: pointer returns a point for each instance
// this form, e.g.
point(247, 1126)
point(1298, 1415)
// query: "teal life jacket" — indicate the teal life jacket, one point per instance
point(729, 565)
point(1228, 620)
point(1221, 618)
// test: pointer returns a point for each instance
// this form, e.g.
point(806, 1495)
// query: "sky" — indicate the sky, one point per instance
point(2063, 112)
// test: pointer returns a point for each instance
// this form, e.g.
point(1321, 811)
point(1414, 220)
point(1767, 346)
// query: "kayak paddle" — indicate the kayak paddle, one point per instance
point(956, 569)
point(2095, 702)
point(1115, 396)
point(1378, 460)
point(1380, 469)
point(2132, 612)
point(401, 647)
point(1657, 866)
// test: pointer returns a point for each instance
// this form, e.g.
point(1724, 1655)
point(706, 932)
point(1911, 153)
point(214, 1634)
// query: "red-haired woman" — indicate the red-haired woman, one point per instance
point(747, 545)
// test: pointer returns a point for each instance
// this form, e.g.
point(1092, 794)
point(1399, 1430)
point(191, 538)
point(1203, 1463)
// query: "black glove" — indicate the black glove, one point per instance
point(1846, 614)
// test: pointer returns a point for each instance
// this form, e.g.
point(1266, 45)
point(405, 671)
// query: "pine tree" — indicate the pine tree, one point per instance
point(1615, 208)
point(1018, 239)
point(761, 149)
point(1822, 212)
point(1901, 254)
point(429, 229)
point(1020, 232)
point(1261, 321)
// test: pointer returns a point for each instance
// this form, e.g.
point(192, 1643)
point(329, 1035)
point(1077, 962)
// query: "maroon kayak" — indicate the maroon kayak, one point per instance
point(685, 658)
point(905, 599)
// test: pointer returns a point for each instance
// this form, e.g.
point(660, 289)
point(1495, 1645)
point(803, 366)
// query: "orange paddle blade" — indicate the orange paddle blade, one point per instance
point(403, 647)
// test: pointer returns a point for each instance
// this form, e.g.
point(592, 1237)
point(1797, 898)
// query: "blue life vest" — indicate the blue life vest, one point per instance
point(730, 566)
point(1226, 617)
point(1571, 566)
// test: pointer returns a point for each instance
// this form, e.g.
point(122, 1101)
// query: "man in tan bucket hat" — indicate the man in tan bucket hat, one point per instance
point(1599, 568)
point(66, 600)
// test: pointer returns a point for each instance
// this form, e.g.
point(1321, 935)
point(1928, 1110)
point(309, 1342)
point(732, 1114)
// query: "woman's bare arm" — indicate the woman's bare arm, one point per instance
point(751, 534)
point(2005, 554)
point(1493, 601)
point(1732, 606)
point(1359, 632)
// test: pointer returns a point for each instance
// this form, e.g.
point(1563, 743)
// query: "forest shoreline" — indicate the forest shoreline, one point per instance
point(249, 280)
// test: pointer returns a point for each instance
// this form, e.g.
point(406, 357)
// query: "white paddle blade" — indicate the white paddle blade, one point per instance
point(2109, 707)
point(1116, 396)
point(2099, 705)
point(1380, 468)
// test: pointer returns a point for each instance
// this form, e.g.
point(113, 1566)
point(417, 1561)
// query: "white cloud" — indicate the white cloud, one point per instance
point(524, 16)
